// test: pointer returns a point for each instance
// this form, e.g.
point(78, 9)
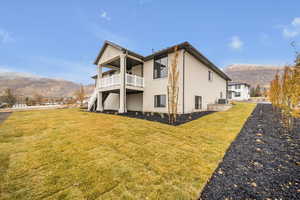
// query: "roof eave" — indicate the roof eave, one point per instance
point(185, 45)
point(205, 61)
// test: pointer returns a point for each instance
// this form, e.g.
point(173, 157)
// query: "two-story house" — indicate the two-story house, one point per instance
point(238, 91)
point(139, 83)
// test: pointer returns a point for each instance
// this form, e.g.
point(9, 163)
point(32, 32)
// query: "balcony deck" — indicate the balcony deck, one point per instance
point(113, 82)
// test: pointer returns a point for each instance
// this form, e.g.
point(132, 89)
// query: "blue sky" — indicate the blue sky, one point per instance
point(61, 39)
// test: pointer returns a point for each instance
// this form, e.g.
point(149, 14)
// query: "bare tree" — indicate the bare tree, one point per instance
point(80, 94)
point(9, 97)
point(285, 94)
point(38, 98)
point(173, 88)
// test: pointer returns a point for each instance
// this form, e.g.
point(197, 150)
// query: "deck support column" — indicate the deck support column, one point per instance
point(122, 108)
point(99, 94)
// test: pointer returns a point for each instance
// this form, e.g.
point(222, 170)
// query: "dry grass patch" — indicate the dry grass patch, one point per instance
point(70, 154)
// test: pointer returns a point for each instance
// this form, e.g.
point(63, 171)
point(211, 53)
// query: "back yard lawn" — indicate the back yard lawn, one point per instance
point(70, 154)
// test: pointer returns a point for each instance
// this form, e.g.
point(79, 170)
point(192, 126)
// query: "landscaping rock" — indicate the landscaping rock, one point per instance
point(259, 169)
point(161, 117)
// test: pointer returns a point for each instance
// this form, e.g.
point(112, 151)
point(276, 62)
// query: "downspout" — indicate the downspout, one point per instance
point(183, 79)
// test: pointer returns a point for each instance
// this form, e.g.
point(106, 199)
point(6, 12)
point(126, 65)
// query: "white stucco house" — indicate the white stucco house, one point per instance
point(238, 91)
point(128, 81)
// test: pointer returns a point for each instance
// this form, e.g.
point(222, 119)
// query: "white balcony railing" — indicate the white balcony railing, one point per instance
point(134, 80)
point(114, 80)
point(110, 81)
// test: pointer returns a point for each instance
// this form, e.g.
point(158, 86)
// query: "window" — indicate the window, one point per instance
point(221, 95)
point(237, 94)
point(237, 87)
point(210, 75)
point(160, 67)
point(198, 102)
point(160, 101)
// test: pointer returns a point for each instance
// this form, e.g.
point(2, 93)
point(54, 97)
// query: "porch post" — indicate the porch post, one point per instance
point(99, 94)
point(122, 107)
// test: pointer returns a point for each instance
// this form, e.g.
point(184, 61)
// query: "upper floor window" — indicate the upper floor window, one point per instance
point(210, 75)
point(160, 101)
point(237, 86)
point(160, 67)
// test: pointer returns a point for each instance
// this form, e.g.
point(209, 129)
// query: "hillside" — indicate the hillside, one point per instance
point(28, 85)
point(253, 74)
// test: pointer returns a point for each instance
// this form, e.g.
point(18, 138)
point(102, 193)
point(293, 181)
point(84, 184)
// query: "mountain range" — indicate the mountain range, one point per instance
point(253, 74)
point(29, 85)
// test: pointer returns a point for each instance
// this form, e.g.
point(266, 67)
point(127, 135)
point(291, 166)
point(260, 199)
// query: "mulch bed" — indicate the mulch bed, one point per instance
point(160, 117)
point(4, 116)
point(262, 163)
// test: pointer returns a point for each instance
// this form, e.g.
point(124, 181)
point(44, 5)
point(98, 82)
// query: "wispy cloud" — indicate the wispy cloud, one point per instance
point(105, 16)
point(293, 29)
point(103, 33)
point(296, 21)
point(5, 37)
point(288, 33)
point(236, 43)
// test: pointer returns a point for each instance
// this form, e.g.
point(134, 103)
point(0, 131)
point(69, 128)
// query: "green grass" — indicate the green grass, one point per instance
point(70, 154)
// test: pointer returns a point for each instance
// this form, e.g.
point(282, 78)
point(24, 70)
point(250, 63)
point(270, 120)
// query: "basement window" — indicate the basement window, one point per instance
point(237, 94)
point(198, 102)
point(160, 101)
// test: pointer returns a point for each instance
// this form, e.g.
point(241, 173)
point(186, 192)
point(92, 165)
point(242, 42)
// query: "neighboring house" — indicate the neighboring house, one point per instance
point(238, 91)
point(139, 83)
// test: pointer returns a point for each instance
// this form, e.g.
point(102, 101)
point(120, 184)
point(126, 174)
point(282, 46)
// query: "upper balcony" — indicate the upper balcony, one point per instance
point(114, 81)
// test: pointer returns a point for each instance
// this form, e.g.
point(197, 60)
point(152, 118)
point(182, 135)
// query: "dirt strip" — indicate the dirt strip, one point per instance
point(262, 163)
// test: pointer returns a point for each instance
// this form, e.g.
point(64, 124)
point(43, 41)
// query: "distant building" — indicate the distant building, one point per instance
point(238, 91)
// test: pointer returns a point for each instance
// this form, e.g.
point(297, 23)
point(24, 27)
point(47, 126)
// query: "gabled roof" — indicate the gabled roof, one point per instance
point(185, 45)
point(193, 51)
point(117, 47)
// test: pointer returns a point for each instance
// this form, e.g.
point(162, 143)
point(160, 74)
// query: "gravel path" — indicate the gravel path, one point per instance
point(3, 116)
point(262, 163)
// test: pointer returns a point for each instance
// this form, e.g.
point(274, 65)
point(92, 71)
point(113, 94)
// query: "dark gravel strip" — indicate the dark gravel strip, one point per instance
point(4, 116)
point(160, 117)
point(262, 163)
